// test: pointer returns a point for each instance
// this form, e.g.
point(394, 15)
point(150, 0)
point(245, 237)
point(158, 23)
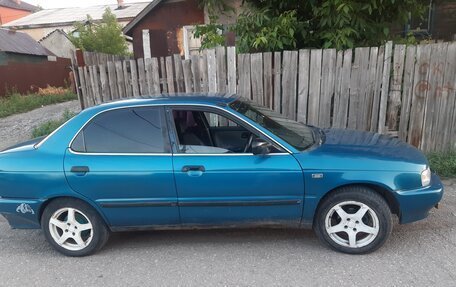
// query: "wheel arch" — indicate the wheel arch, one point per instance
point(90, 203)
point(383, 191)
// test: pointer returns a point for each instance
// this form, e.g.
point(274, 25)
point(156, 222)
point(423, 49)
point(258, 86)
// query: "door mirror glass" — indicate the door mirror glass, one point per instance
point(261, 147)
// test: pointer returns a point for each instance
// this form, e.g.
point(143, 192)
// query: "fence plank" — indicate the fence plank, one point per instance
point(432, 110)
point(267, 80)
point(369, 98)
point(178, 73)
point(143, 88)
point(341, 118)
point(289, 83)
point(353, 106)
point(120, 79)
point(337, 89)
point(127, 79)
point(148, 67)
point(385, 87)
point(361, 123)
point(221, 69)
point(446, 125)
point(407, 91)
point(104, 84)
point(83, 87)
point(188, 78)
point(170, 74)
point(134, 78)
point(113, 81)
point(256, 68)
point(394, 99)
point(327, 87)
point(195, 59)
point(231, 70)
point(95, 78)
point(421, 86)
point(203, 72)
point(155, 77)
point(377, 89)
point(303, 85)
point(163, 79)
point(314, 87)
point(244, 75)
point(277, 82)
point(211, 71)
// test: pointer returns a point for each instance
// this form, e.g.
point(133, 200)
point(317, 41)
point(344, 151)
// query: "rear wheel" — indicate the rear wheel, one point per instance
point(73, 227)
point(354, 220)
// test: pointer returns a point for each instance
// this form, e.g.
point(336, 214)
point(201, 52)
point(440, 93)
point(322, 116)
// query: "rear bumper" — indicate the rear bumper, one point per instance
point(415, 204)
point(21, 213)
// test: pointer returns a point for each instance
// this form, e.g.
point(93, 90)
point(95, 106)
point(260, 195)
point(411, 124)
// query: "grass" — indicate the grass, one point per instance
point(16, 103)
point(48, 127)
point(443, 163)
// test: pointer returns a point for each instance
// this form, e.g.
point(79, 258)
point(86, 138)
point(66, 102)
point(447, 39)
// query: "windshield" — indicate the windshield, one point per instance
point(296, 134)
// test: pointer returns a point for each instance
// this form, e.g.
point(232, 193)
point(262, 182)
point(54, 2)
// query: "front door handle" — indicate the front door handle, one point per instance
point(188, 168)
point(80, 169)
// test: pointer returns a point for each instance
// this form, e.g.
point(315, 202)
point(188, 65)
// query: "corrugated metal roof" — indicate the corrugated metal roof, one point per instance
point(22, 6)
point(56, 17)
point(21, 43)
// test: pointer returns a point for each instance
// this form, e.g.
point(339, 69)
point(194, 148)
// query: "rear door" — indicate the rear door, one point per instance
point(122, 161)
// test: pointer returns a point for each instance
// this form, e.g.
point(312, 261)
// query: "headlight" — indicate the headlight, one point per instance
point(426, 177)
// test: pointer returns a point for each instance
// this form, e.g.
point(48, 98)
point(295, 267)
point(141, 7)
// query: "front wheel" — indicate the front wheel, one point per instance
point(73, 227)
point(354, 220)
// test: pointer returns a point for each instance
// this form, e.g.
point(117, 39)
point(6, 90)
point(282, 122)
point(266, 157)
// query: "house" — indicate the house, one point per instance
point(58, 43)
point(11, 10)
point(44, 22)
point(26, 66)
point(160, 25)
point(16, 47)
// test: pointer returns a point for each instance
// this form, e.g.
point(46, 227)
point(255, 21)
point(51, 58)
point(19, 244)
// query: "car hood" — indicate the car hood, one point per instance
point(358, 150)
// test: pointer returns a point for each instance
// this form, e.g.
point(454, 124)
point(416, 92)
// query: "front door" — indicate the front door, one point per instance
point(122, 161)
point(220, 181)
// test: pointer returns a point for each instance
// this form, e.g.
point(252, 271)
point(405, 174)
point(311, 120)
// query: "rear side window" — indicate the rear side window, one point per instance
point(123, 131)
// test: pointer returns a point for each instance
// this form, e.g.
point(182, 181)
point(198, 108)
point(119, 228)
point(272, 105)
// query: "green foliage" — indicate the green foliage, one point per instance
point(270, 25)
point(50, 126)
point(104, 37)
point(258, 31)
point(16, 103)
point(211, 35)
point(443, 163)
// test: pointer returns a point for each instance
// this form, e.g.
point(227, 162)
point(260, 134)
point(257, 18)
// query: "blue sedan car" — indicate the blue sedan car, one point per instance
point(204, 161)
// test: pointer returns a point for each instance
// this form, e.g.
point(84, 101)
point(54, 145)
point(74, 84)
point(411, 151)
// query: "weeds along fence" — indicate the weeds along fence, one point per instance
point(408, 91)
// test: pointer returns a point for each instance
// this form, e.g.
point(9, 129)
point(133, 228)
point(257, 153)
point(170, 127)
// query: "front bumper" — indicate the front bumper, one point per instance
point(21, 213)
point(415, 204)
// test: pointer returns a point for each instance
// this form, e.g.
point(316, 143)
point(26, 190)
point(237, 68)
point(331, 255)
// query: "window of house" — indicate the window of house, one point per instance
point(135, 130)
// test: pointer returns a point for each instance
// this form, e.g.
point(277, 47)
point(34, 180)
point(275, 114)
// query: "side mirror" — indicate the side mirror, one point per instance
point(260, 147)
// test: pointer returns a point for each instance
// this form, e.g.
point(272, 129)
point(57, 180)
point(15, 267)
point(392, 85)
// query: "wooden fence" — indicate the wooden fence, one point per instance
point(405, 90)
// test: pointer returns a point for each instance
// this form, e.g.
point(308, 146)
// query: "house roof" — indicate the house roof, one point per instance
point(21, 43)
point(59, 31)
point(22, 6)
point(141, 15)
point(68, 16)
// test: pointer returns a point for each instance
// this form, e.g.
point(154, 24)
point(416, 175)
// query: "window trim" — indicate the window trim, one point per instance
point(164, 126)
point(163, 106)
point(221, 112)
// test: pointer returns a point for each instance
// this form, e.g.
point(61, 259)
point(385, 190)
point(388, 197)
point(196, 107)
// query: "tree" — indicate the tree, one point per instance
point(104, 37)
point(271, 25)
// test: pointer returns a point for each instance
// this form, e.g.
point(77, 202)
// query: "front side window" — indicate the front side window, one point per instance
point(205, 132)
point(296, 134)
point(131, 130)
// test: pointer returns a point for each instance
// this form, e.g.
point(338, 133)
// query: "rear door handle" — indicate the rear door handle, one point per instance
point(188, 168)
point(80, 169)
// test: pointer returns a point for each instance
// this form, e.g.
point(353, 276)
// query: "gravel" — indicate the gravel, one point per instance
point(418, 254)
point(18, 128)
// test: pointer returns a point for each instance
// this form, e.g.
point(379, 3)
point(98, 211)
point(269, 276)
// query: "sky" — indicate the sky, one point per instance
point(48, 4)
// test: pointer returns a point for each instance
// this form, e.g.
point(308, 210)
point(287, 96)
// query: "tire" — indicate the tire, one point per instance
point(73, 227)
point(354, 220)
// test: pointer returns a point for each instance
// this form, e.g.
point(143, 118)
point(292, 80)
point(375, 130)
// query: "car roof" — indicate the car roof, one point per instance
point(179, 98)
